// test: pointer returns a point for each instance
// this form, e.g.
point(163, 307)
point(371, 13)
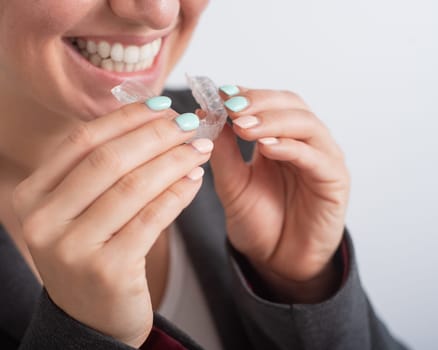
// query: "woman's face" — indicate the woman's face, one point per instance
point(65, 56)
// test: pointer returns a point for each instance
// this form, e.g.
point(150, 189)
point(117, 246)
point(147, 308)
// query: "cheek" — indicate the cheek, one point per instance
point(30, 33)
point(28, 26)
point(191, 11)
point(42, 18)
point(193, 8)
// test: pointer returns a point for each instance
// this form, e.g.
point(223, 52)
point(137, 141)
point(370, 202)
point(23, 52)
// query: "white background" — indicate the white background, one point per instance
point(369, 69)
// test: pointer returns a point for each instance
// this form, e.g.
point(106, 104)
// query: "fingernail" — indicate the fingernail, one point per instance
point(187, 121)
point(229, 90)
point(196, 174)
point(237, 103)
point(203, 145)
point(268, 140)
point(246, 121)
point(159, 103)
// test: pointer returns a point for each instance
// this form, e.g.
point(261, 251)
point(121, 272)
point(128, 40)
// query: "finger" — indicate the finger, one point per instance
point(298, 124)
point(230, 171)
point(112, 160)
point(305, 158)
point(119, 204)
point(250, 102)
point(79, 142)
point(138, 235)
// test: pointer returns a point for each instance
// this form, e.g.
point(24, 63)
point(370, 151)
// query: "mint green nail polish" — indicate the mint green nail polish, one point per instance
point(159, 103)
point(237, 103)
point(187, 121)
point(230, 90)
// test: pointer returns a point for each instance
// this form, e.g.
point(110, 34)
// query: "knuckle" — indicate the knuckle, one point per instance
point(102, 272)
point(19, 196)
point(131, 113)
point(313, 122)
point(317, 125)
point(175, 196)
point(105, 157)
point(137, 285)
point(290, 94)
point(98, 272)
point(180, 155)
point(153, 213)
point(310, 116)
point(159, 130)
point(340, 154)
point(302, 156)
point(294, 96)
point(81, 136)
point(347, 177)
point(66, 253)
point(127, 111)
point(132, 110)
point(129, 184)
point(32, 227)
point(336, 151)
point(312, 166)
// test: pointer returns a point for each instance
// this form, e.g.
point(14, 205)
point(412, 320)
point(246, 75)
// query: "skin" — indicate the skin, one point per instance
point(285, 210)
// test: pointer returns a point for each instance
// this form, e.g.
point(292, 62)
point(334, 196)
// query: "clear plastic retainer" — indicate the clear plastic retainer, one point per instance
point(203, 90)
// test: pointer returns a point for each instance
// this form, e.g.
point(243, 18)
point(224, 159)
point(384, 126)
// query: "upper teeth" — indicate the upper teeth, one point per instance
point(118, 57)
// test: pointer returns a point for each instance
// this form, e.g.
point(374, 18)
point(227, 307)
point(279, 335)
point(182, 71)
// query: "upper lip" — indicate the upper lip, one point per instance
point(125, 39)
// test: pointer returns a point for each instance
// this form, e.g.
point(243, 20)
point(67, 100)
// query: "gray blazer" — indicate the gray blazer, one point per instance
point(244, 319)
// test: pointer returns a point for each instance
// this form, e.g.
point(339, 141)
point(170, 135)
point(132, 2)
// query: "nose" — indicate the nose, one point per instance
point(157, 14)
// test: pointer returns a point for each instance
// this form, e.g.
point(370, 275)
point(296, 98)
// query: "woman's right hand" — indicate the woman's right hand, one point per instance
point(93, 210)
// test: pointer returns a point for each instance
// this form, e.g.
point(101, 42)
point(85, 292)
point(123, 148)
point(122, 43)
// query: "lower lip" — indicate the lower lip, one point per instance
point(110, 79)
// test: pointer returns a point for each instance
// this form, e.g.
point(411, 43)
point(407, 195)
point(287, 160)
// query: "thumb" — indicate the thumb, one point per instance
point(231, 173)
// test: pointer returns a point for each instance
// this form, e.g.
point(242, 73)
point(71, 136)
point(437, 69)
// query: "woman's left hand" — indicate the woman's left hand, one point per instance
point(285, 210)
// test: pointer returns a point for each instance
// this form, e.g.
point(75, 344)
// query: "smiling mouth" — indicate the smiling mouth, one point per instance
point(116, 57)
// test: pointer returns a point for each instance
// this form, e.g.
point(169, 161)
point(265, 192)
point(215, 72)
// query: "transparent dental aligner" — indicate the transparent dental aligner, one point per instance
point(206, 94)
point(131, 90)
point(204, 91)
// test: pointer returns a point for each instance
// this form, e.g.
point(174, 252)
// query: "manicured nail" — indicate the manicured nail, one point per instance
point(229, 90)
point(246, 122)
point(268, 140)
point(159, 103)
point(237, 103)
point(196, 174)
point(203, 145)
point(187, 121)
